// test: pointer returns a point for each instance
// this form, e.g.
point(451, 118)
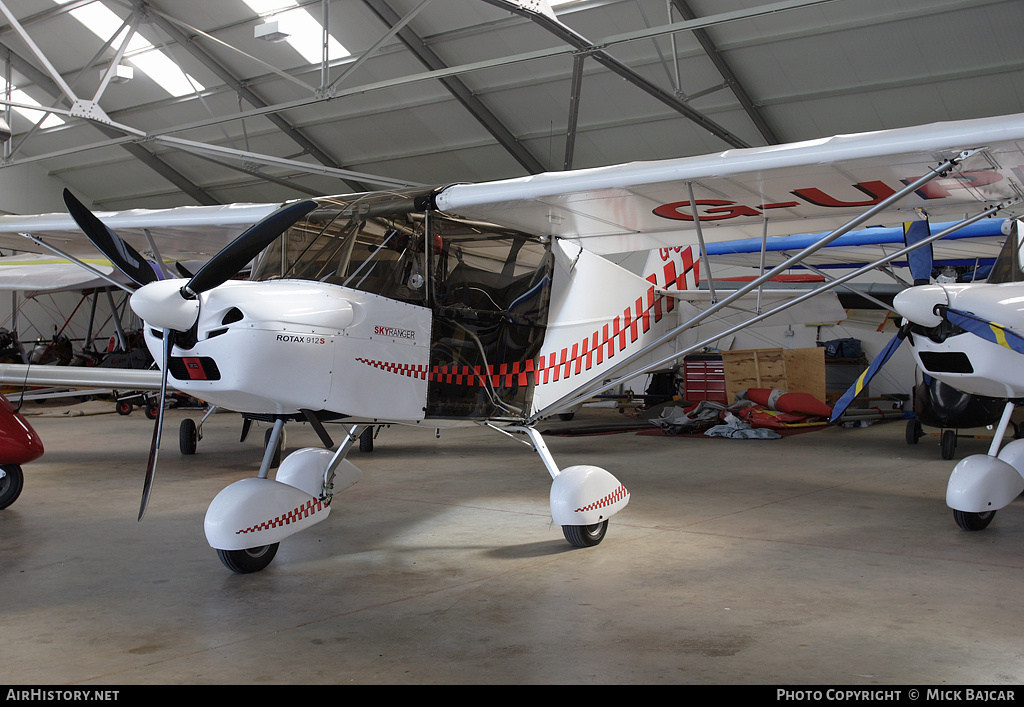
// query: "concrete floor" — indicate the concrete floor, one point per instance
point(825, 558)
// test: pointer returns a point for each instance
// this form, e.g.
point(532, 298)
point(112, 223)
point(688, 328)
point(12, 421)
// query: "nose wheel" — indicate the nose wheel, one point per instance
point(250, 560)
point(585, 535)
point(973, 521)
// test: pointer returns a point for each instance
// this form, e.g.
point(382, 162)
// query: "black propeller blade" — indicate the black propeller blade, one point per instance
point(216, 271)
point(862, 381)
point(154, 447)
point(920, 259)
point(247, 246)
point(121, 254)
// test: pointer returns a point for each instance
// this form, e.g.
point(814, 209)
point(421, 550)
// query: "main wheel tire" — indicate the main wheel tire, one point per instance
point(250, 560)
point(914, 431)
point(973, 521)
point(585, 535)
point(11, 484)
point(948, 444)
point(366, 440)
point(188, 436)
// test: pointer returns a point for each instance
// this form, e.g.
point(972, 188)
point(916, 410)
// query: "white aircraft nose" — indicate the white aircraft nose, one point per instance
point(918, 304)
point(161, 305)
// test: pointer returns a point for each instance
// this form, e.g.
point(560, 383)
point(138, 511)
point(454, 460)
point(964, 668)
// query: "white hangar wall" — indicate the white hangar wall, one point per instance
point(27, 189)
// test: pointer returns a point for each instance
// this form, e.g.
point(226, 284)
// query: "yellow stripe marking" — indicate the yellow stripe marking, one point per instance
point(999, 334)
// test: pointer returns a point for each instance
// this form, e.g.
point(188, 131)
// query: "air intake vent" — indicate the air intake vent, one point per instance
point(232, 315)
point(197, 368)
point(946, 362)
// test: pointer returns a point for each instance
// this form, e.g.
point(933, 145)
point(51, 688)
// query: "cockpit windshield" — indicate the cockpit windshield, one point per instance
point(1009, 265)
point(377, 243)
point(364, 243)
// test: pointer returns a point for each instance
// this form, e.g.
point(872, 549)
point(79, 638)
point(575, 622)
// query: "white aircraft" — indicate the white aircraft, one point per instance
point(969, 336)
point(491, 304)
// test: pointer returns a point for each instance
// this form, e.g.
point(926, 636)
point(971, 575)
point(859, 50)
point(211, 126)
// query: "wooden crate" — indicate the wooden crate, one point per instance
point(792, 370)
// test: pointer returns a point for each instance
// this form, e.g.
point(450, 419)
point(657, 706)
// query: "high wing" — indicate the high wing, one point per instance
point(33, 273)
point(778, 190)
point(180, 233)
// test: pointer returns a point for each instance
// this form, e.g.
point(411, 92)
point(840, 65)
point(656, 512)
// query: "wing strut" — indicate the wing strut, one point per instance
point(703, 248)
point(579, 397)
point(940, 171)
point(79, 262)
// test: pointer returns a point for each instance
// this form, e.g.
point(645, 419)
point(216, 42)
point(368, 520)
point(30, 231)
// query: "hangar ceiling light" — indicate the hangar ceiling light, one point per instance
point(102, 22)
point(304, 33)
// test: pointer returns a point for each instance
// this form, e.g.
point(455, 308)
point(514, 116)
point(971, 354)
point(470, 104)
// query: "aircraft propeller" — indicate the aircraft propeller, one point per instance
point(920, 264)
point(226, 263)
point(862, 381)
point(969, 322)
point(168, 304)
point(121, 254)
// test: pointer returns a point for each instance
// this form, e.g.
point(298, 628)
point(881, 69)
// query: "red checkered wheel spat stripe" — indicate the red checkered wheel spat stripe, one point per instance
point(611, 499)
point(311, 507)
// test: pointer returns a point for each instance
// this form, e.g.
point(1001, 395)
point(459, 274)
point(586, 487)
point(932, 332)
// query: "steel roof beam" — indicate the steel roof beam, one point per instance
point(45, 83)
point(702, 36)
point(457, 88)
point(183, 40)
point(599, 54)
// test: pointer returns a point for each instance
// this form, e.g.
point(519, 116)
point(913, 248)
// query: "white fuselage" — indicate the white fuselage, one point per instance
point(966, 361)
point(287, 345)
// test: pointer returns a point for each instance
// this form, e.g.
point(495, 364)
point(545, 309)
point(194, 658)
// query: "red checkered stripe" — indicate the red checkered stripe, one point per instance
point(612, 498)
point(307, 509)
point(616, 336)
point(409, 370)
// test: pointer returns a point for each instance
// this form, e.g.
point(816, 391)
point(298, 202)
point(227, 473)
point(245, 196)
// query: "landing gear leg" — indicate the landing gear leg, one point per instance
point(189, 433)
point(583, 498)
point(273, 448)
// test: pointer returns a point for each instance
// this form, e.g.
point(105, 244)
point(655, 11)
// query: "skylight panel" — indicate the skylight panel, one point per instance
point(305, 34)
point(19, 96)
point(102, 22)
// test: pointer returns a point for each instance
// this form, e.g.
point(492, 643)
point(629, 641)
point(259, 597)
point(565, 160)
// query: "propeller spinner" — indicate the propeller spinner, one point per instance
point(173, 305)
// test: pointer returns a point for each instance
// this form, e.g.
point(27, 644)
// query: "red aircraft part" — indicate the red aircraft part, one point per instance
point(19, 443)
